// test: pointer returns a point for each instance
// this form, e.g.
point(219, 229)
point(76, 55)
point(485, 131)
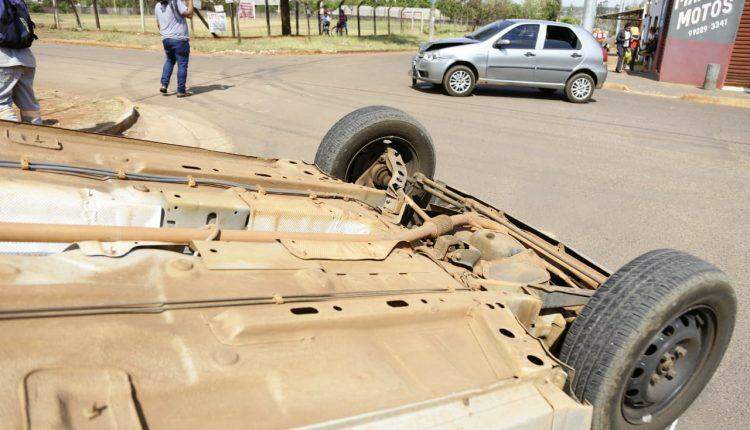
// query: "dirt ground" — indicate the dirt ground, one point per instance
point(73, 111)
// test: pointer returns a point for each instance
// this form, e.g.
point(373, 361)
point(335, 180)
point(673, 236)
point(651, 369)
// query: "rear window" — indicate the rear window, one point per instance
point(561, 38)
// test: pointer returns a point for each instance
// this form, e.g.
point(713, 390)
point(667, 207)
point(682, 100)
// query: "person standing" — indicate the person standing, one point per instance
point(17, 63)
point(622, 41)
point(342, 24)
point(635, 45)
point(172, 23)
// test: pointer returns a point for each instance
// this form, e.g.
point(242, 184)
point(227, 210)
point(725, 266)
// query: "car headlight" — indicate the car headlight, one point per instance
point(432, 56)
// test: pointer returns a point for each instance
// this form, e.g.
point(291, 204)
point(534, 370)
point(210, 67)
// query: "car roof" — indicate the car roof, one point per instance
point(540, 21)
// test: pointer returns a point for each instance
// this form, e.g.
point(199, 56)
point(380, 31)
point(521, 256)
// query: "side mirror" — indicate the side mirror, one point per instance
point(502, 43)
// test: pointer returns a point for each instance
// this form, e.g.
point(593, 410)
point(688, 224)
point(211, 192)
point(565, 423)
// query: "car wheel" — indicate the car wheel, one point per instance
point(649, 340)
point(413, 82)
point(548, 91)
point(459, 81)
point(357, 140)
point(580, 88)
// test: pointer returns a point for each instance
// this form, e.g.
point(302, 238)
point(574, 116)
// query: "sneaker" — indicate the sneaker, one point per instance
point(185, 94)
point(163, 90)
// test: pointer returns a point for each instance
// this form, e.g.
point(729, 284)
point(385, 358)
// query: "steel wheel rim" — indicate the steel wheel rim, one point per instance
point(581, 88)
point(460, 81)
point(667, 365)
point(368, 154)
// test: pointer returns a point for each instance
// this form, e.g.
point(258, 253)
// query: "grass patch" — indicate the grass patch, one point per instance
point(255, 45)
point(124, 31)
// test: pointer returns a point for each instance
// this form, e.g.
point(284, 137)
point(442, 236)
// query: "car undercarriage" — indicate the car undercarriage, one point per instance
point(147, 285)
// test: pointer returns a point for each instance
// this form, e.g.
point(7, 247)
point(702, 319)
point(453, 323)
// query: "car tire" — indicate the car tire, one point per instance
point(649, 339)
point(459, 81)
point(580, 88)
point(355, 141)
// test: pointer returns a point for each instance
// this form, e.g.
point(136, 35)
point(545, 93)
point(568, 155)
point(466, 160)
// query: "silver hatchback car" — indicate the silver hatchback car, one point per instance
point(542, 54)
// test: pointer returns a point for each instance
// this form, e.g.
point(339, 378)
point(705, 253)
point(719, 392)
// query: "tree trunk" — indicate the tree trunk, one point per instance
point(268, 19)
point(286, 21)
point(296, 17)
point(75, 11)
point(96, 14)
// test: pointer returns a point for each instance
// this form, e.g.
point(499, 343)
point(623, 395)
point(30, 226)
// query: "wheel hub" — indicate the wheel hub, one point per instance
point(671, 358)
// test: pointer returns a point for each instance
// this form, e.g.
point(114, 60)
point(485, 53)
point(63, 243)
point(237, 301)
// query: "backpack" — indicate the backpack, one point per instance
point(16, 27)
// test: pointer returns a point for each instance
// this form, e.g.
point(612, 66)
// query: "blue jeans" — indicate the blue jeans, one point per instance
point(178, 51)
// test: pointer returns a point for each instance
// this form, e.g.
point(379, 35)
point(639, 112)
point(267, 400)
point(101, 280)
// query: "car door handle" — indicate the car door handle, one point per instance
point(530, 54)
point(576, 55)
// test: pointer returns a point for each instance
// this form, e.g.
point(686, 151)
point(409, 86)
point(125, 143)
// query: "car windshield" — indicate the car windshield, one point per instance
point(489, 30)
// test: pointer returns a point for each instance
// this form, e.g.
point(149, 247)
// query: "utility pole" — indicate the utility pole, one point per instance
point(589, 14)
point(432, 19)
point(143, 17)
point(622, 8)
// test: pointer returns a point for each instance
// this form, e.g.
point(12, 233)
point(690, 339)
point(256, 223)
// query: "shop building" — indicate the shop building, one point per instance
point(695, 33)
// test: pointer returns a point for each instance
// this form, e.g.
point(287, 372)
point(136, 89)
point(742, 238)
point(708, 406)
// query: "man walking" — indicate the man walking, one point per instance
point(623, 42)
point(171, 19)
point(17, 63)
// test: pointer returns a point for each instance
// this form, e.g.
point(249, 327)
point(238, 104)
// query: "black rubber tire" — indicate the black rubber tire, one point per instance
point(616, 326)
point(454, 69)
point(413, 82)
point(352, 133)
point(547, 91)
point(569, 87)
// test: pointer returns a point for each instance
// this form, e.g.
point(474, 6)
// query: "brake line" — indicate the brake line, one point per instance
point(187, 180)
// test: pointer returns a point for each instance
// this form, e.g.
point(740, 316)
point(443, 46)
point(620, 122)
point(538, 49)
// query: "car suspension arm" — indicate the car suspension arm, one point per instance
point(545, 249)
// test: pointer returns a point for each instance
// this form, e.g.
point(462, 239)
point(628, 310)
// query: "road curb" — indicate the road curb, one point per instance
point(690, 97)
point(122, 123)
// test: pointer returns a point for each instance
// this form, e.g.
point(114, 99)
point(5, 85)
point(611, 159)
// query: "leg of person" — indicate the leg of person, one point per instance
point(182, 52)
point(24, 97)
point(166, 73)
point(633, 55)
point(620, 57)
point(8, 79)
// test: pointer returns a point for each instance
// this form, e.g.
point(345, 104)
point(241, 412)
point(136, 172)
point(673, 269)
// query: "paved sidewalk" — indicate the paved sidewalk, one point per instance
point(646, 84)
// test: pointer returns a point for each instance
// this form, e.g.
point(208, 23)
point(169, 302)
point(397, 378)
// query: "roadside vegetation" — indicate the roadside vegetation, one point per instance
point(290, 32)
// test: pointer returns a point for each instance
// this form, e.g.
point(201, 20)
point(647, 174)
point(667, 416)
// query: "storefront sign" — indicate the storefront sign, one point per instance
point(247, 9)
point(217, 22)
point(709, 20)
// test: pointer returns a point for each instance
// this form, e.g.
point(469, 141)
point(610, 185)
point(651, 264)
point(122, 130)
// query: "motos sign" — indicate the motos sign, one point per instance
point(710, 20)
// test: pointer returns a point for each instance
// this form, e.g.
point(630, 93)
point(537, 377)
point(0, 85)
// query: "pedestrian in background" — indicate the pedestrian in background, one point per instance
point(17, 63)
point(635, 45)
point(342, 27)
point(172, 23)
point(622, 40)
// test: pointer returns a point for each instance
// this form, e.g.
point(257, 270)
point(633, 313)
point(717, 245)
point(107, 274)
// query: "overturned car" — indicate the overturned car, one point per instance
point(147, 285)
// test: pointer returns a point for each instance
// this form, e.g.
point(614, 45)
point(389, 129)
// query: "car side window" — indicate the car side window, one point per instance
point(561, 38)
point(522, 37)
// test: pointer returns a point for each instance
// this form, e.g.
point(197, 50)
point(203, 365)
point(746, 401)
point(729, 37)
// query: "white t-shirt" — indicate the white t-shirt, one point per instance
point(172, 25)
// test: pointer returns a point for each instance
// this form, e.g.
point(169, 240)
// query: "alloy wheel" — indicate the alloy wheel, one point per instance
point(460, 81)
point(581, 88)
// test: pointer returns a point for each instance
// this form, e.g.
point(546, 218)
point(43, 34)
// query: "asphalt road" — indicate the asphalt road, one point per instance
point(613, 178)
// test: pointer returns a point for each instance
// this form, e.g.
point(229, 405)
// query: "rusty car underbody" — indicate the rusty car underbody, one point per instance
point(147, 285)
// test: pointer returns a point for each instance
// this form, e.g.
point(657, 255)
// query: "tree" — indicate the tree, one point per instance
point(551, 9)
point(286, 20)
